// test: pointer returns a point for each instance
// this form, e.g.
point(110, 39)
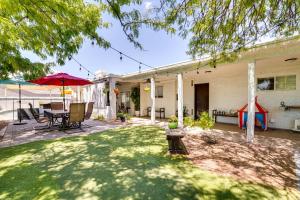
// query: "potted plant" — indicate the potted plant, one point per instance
point(135, 97)
point(121, 116)
point(173, 122)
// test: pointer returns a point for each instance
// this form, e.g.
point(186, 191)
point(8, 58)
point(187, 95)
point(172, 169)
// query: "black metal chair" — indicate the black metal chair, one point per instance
point(39, 119)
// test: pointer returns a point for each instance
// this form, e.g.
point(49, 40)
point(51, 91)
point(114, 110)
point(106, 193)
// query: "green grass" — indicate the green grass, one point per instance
point(128, 163)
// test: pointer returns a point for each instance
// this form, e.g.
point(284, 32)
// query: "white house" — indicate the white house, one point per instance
point(270, 71)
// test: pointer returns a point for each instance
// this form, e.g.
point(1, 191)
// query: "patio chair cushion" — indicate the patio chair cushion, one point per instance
point(77, 113)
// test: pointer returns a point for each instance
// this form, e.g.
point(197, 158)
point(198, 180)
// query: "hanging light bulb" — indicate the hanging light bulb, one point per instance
point(88, 73)
point(69, 57)
point(80, 68)
point(121, 56)
point(140, 68)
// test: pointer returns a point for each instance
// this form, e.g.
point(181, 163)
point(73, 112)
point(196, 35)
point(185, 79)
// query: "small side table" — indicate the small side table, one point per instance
point(174, 137)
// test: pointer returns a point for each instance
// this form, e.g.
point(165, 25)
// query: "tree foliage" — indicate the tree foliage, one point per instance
point(216, 27)
point(57, 28)
point(47, 28)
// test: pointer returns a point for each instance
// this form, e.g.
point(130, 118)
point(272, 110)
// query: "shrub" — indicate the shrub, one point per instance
point(188, 121)
point(173, 118)
point(99, 117)
point(205, 121)
point(120, 115)
point(127, 116)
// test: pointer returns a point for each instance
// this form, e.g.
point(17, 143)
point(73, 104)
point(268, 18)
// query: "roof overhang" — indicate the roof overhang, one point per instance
point(280, 47)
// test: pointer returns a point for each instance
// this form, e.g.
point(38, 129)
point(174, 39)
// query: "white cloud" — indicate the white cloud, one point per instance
point(148, 5)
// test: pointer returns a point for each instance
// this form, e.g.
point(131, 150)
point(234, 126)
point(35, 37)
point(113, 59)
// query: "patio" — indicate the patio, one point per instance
point(15, 135)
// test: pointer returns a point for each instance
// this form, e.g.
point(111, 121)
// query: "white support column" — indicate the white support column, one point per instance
point(251, 101)
point(152, 100)
point(112, 98)
point(180, 99)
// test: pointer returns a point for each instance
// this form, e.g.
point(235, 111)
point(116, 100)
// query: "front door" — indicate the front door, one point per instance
point(201, 99)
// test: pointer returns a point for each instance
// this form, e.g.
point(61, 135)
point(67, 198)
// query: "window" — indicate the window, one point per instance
point(286, 82)
point(125, 99)
point(159, 92)
point(265, 83)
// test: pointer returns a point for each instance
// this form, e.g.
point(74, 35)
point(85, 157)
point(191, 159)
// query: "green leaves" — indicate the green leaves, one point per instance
point(57, 28)
point(47, 28)
point(218, 27)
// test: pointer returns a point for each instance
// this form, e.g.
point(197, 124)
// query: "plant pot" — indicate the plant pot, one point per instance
point(137, 113)
point(173, 125)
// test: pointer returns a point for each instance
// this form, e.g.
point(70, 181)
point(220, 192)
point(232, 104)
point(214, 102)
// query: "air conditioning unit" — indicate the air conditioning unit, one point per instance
point(297, 125)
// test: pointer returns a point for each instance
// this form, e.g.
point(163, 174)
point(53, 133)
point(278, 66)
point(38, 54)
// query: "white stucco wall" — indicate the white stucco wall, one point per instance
point(168, 101)
point(228, 90)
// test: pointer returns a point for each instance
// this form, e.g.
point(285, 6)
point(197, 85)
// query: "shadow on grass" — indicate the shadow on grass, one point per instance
point(128, 163)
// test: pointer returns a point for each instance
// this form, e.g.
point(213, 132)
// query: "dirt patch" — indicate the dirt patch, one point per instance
point(260, 163)
point(3, 124)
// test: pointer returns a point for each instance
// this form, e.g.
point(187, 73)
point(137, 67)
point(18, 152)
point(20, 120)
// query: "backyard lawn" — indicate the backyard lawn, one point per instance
point(126, 163)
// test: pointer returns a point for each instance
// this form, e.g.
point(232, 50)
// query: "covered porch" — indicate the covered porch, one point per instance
point(269, 71)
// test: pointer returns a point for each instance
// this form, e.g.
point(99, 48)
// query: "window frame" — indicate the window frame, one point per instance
point(285, 88)
point(156, 92)
point(266, 77)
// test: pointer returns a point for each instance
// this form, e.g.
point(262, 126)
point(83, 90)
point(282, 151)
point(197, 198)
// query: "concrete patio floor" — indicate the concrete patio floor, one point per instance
point(20, 134)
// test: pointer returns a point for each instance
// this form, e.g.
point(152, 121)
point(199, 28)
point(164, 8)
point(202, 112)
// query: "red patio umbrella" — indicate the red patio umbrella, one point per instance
point(61, 79)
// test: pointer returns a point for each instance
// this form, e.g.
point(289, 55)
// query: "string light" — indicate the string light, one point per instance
point(82, 67)
point(93, 38)
point(140, 68)
point(131, 58)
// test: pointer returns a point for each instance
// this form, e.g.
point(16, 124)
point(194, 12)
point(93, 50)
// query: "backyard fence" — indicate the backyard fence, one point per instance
point(9, 105)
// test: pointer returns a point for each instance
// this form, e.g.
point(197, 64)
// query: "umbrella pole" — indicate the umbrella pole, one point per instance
point(20, 117)
point(64, 100)
point(19, 113)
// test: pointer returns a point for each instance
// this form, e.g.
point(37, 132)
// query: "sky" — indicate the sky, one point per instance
point(160, 49)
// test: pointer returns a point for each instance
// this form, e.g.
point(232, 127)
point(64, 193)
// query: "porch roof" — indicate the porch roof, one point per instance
point(279, 47)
